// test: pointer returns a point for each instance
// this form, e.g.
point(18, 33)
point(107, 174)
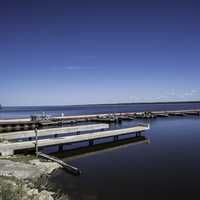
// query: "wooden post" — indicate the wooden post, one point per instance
point(115, 138)
point(36, 142)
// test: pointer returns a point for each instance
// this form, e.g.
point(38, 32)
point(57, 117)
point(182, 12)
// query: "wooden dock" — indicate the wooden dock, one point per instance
point(10, 147)
point(52, 132)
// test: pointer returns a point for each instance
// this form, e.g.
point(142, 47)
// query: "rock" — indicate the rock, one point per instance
point(23, 192)
point(19, 170)
point(26, 171)
point(44, 195)
point(32, 192)
point(46, 167)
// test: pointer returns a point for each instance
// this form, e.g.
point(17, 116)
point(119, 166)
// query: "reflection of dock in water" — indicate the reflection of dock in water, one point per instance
point(101, 148)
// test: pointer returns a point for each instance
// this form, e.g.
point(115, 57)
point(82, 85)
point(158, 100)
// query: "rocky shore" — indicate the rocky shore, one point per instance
point(26, 179)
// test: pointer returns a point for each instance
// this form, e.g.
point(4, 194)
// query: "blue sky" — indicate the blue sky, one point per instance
point(80, 52)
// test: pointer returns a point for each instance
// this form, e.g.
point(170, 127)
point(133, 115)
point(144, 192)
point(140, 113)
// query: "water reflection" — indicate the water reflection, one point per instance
point(101, 148)
point(168, 168)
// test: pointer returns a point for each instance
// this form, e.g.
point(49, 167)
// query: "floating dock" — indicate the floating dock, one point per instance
point(10, 147)
point(52, 132)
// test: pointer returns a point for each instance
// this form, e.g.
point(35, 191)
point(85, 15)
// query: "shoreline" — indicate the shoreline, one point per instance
point(30, 176)
point(101, 114)
point(106, 114)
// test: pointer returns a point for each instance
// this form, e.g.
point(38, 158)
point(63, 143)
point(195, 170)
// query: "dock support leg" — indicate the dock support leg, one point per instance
point(138, 134)
point(115, 138)
point(60, 147)
point(91, 142)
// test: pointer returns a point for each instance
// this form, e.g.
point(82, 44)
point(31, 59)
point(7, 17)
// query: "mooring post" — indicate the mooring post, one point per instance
point(36, 142)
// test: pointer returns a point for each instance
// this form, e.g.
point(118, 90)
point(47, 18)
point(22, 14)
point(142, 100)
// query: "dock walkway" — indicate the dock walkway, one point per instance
point(52, 131)
point(10, 148)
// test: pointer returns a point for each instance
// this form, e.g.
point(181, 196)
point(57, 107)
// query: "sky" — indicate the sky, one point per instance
point(68, 52)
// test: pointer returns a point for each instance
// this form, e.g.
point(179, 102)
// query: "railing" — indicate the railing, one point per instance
point(147, 125)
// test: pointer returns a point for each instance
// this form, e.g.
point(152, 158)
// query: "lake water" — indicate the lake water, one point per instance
point(165, 168)
point(163, 165)
point(17, 112)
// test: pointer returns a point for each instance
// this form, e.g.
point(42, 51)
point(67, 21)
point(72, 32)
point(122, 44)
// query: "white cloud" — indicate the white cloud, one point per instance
point(74, 67)
point(173, 95)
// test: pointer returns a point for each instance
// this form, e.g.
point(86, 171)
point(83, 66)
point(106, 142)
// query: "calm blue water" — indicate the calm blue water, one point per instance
point(17, 112)
point(166, 168)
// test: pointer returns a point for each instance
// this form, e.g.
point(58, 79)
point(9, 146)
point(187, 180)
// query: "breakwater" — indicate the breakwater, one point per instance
point(31, 123)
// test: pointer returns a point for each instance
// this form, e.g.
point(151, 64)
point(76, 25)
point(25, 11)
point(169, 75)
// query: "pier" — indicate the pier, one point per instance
point(52, 132)
point(9, 148)
point(55, 137)
point(10, 125)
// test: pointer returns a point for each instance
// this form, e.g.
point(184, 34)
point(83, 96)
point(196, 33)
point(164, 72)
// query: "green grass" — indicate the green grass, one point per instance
point(11, 189)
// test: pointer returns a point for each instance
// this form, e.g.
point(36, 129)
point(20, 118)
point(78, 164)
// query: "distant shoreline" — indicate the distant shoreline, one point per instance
point(105, 104)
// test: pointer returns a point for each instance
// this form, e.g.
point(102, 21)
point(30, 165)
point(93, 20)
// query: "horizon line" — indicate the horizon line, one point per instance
point(93, 104)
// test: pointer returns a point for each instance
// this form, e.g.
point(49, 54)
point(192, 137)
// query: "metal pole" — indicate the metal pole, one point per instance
point(36, 142)
point(148, 121)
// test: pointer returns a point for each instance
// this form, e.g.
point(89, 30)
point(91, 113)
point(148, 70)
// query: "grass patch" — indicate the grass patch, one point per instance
point(11, 189)
point(14, 189)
